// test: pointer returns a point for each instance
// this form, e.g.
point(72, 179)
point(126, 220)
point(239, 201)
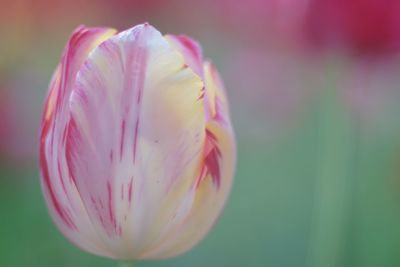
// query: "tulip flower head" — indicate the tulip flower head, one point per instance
point(137, 151)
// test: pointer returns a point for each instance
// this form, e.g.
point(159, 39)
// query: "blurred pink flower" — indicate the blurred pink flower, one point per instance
point(272, 87)
point(258, 21)
point(7, 121)
point(284, 49)
point(17, 132)
point(370, 91)
point(360, 27)
point(357, 26)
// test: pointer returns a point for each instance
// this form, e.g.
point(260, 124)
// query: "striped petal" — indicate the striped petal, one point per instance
point(62, 197)
point(190, 49)
point(209, 191)
point(193, 54)
point(135, 137)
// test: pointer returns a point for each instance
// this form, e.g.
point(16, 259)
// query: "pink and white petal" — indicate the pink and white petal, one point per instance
point(216, 95)
point(62, 197)
point(193, 54)
point(81, 42)
point(190, 49)
point(127, 156)
point(206, 198)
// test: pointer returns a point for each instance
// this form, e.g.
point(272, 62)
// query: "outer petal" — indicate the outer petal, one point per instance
point(210, 190)
point(190, 49)
point(62, 197)
point(193, 54)
point(135, 138)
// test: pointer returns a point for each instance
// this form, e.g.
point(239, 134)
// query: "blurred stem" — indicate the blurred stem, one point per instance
point(125, 264)
point(332, 190)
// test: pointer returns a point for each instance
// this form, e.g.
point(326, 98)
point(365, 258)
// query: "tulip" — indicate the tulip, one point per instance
point(137, 151)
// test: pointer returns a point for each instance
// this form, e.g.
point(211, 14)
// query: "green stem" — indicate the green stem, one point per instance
point(332, 184)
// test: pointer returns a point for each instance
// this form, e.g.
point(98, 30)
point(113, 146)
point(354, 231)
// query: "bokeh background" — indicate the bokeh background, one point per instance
point(314, 87)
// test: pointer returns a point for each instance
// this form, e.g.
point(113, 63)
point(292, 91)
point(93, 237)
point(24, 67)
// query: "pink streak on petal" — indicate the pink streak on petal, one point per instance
point(112, 77)
point(61, 211)
point(121, 146)
point(135, 139)
point(130, 190)
point(54, 119)
point(191, 50)
point(211, 161)
point(110, 203)
point(134, 85)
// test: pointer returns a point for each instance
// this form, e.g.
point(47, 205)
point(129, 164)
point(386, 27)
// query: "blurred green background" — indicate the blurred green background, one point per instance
point(317, 124)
